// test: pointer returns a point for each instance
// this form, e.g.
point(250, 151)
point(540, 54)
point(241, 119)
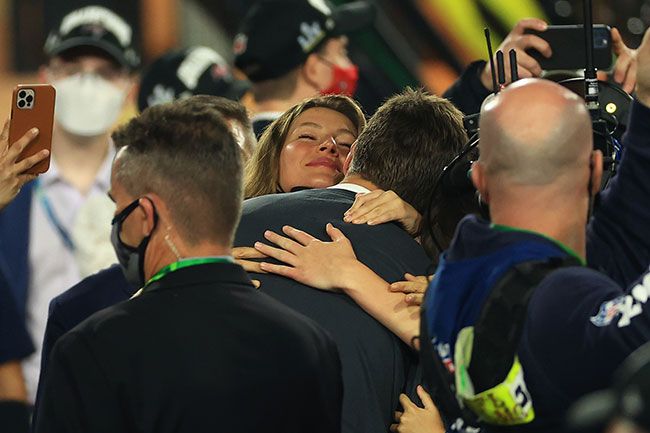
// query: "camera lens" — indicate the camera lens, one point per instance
point(21, 104)
point(29, 98)
point(22, 94)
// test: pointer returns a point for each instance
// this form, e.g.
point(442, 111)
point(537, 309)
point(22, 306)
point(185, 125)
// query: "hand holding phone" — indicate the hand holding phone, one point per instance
point(32, 106)
point(13, 172)
point(567, 44)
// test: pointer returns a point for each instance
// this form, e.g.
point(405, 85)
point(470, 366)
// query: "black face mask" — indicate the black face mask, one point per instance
point(131, 259)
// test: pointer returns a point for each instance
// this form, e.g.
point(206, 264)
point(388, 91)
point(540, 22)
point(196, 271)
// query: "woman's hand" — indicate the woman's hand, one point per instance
point(241, 254)
point(12, 173)
point(415, 419)
point(414, 287)
point(379, 206)
point(309, 260)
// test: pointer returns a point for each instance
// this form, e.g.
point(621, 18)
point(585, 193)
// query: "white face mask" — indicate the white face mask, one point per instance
point(87, 105)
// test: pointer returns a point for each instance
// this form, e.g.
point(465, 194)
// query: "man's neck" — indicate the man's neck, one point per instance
point(166, 257)
point(358, 180)
point(562, 223)
point(79, 159)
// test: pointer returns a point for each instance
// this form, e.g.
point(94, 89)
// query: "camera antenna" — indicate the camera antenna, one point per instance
point(514, 72)
point(495, 87)
point(501, 70)
point(591, 81)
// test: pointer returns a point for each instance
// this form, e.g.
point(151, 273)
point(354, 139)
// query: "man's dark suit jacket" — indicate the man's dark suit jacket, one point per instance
point(201, 350)
point(96, 292)
point(376, 365)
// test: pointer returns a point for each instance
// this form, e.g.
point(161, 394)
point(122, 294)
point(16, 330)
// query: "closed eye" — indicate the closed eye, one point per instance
point(348, 145)
point(306, 137)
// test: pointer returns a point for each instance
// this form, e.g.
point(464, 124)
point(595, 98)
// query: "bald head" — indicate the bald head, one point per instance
point(535, 132)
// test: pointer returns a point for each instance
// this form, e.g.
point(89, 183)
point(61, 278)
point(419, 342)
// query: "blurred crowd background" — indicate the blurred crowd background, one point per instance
point(412, 42)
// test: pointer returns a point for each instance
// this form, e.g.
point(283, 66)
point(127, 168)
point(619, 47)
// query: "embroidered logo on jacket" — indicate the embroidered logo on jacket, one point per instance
point(624, 307)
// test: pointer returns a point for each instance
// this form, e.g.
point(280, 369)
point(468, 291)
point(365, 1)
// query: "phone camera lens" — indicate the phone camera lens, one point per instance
point(22, 94)
point(21, 104)
point(29, 98)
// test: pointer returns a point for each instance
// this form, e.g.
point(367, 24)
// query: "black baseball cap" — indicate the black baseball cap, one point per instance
point(628, 399)
point(98, 27)
point(278, 35)
point(195, 70)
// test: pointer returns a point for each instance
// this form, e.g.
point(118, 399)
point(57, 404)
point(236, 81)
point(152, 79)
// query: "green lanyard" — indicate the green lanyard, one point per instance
point(186, 264)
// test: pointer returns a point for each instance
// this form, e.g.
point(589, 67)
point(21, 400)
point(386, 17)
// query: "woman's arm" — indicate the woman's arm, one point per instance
point(333, 265)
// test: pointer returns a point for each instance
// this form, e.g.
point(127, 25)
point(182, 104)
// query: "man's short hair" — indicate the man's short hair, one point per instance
point(407, 143)
point(185, 153)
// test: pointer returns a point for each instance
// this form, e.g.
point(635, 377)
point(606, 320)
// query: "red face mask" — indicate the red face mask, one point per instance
point(344, 80)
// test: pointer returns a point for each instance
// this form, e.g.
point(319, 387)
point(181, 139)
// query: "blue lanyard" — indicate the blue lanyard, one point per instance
point(49, 211)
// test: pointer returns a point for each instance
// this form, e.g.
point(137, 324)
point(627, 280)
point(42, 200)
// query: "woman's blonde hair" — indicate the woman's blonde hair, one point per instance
point(262, 169)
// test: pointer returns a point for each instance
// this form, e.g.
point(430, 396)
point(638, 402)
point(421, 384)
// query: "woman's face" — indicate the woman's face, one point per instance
point(316, 146)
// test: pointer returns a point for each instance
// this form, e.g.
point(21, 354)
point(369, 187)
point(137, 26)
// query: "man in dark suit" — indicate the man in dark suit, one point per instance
point(109, 286)
point(197, 349)
point(405, 141)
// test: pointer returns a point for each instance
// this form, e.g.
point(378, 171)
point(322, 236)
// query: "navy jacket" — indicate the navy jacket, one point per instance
point(96, 292)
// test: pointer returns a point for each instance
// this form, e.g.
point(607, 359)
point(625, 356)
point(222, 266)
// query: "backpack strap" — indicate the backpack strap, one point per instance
point(498, 330)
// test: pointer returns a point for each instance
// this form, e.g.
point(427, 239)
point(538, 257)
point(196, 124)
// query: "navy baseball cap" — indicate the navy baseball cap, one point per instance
point(628, 399)
point(179, 74)
point(98, 27)
point(277, 35)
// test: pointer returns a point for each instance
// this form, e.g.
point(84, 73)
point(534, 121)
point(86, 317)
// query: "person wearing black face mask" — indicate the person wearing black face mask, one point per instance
point(293, 50)
point(191, 339)
point(131, 259)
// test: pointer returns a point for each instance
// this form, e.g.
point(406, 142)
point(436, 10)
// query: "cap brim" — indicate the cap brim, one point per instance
point(352, 17)
point(83, 41)
point(592, 412)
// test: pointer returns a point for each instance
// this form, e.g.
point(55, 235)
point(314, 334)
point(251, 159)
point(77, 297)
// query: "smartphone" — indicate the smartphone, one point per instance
point(568, 45)
point(32, 106)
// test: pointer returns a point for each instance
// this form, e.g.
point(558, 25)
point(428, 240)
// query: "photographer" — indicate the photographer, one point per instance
point(539, 174)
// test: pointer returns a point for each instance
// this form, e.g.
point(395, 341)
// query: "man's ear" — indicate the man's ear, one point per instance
point(315, 73)
point(348, 159)
point(478, 179)
point(596, 174)
point(147, 214)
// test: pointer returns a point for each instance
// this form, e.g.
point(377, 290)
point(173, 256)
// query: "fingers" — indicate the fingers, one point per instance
point(425, 398)
point(303, 237)
point(416, 278)
point(528, 63)
point(408, 287)
point(529, 23)
point(406, 402)
point(630, 78)
point(335, 234)
point(276, 253)
point(5, 132)
point(24, 178)
point(256, 283)
point(363, 203)
point(533, 41)
point(250, 266)
point(414, 299)
point(16, 148)
point(285, 271)
point(397, 415)
point(31, 161)
point(618, 46)
point(247, 253)
point(282, 241)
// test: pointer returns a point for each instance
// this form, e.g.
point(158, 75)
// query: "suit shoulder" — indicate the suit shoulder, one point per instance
point(104, 288)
